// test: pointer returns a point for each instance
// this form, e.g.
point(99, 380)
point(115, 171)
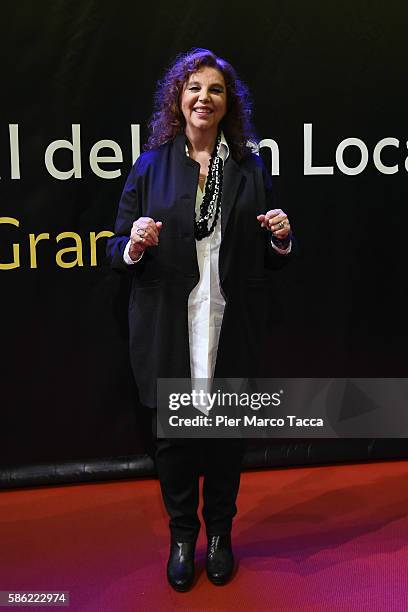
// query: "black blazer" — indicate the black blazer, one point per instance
point(162, 185)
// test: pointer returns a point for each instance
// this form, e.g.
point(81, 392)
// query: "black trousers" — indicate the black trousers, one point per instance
point(179, 463)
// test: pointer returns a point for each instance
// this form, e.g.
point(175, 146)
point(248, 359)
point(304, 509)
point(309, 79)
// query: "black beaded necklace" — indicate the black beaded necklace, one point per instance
point(211, 203)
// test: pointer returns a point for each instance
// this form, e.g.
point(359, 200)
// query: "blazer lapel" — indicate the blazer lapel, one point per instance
point(231, 183)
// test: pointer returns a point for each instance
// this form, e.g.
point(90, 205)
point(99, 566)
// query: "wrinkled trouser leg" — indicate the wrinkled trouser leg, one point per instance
point(178, 467)
point(222, 462)
point(179, 464)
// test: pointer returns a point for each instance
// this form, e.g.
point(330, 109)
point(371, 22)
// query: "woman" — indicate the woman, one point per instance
point(197, 230)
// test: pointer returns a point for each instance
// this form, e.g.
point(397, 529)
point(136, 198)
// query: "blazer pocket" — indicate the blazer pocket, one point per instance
point(256, 281)
point(144, 284)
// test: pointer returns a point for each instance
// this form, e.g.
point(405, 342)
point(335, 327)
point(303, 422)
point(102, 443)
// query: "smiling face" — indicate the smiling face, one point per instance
point(204, 100)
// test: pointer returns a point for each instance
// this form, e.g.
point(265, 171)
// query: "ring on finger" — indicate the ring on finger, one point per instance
point(141, 232)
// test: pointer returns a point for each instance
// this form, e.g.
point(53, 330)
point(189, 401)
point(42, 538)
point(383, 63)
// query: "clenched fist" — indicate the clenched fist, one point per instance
point(145, 232)
point(277, 222)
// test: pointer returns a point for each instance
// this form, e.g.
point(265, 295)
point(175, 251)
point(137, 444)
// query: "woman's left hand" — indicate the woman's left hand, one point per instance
point(277, 222)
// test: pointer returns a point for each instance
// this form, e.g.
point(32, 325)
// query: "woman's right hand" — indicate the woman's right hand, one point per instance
point(145, 232)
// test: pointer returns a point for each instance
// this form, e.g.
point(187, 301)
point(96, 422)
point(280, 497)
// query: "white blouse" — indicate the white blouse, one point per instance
point(206, 303)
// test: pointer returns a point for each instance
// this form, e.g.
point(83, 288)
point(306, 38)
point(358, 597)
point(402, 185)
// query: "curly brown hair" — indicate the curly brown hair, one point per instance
point(167, 119)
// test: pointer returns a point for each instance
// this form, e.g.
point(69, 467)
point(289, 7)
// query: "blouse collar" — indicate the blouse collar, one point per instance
point(224, 149)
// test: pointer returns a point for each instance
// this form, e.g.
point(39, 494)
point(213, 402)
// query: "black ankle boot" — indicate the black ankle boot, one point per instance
point(180, 566)
point(220, 560)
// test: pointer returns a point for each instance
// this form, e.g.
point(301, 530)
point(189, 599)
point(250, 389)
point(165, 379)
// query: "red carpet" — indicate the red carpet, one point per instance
point(330, 538)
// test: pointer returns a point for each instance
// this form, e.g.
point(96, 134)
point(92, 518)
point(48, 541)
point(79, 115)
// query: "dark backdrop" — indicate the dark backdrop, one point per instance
point(66, 389)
